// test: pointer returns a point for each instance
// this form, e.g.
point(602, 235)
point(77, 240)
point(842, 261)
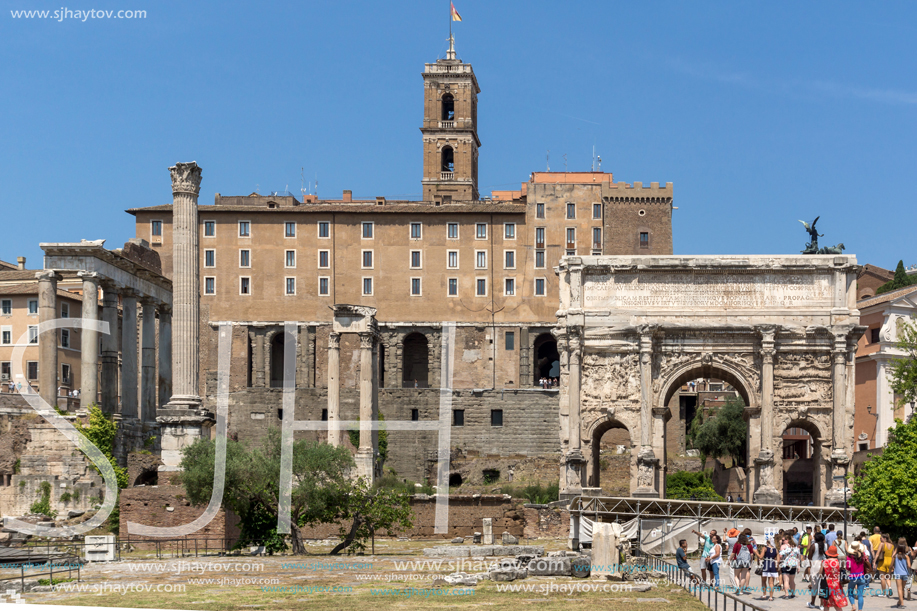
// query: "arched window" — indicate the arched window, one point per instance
point(416, 361)
point(448, 107)
point(547, 359)
point(448, 161)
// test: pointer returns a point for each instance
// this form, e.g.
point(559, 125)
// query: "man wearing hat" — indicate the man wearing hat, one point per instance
point(732, 537)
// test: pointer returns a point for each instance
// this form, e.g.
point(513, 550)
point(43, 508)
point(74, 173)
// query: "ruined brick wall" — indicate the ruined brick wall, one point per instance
point(543, 522)
point(166, 505)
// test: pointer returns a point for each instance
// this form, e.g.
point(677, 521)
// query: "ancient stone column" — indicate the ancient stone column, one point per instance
point(365, 454)
point(334, 388)
point(108, 381)
point(129, 405)
point(148, 360)
point(165, 354)
point(573, 381)
point(647, 461)
point(767, 493)
point(47, 341)
point(839, 457)
point(375, 402)
point(89, 342)
point(186, 185)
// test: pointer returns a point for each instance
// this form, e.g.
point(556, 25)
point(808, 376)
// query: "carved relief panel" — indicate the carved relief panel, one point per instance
point(802, 378)
point(610, 379)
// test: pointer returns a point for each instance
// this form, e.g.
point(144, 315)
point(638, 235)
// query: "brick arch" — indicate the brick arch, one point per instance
point(672, 380)
point(596, 429)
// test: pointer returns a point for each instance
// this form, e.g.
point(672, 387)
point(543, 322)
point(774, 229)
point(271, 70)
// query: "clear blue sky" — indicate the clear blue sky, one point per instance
point(760, 113)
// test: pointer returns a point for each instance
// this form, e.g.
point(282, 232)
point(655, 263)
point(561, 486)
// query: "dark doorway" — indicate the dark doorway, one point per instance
point(448, 107)
point(381, 365)
point(277, 360)
point(547, 359)
point(448, 163)
point(416, 361)
point(147, 478)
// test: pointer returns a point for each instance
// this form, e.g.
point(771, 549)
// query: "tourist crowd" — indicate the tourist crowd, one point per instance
point(839, 571)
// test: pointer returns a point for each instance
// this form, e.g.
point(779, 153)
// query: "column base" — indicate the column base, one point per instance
point(645, 493)
point(365, 465)
point(835, 497)
point(179, 428)
point(571, 483)
point(192, 402)
point(767, 496)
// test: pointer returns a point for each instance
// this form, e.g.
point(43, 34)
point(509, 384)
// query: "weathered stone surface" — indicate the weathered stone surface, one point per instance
point(551, 566)
point(508, 574)
point(581, 566)
point(488, 531)
point(605, 555)
point(458, 540)
point(461, 579)
point(509, 539)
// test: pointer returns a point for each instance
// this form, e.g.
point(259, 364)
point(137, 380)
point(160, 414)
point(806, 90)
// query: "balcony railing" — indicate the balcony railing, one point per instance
point(447, 124)
point(447, 175)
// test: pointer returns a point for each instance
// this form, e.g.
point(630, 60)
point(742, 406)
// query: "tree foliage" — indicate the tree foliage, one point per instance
point(900, 280)
point(904, 371)
point(885, 491)
point(101, 431)
point(722, 434)
point(323, 491)
point(690, 485)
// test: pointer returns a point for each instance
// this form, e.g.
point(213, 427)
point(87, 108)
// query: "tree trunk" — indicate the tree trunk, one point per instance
point(296, 540)
point(357, 521)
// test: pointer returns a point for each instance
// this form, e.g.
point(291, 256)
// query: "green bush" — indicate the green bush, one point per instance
point(391, 481)
point(534, 493)
point(690, 485)
point(43, 504)
point(65, 497)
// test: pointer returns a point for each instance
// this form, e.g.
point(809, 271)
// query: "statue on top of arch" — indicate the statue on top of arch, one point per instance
point(812, 247)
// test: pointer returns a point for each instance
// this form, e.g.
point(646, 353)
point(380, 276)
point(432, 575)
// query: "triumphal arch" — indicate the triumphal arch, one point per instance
point(781, 329)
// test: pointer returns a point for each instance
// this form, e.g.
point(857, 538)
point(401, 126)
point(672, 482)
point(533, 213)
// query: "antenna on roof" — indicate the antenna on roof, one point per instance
point(302, 184)
point(548, 159)
point(593, 157)
point(600, 162)
point(565, 162)
point(316, 185)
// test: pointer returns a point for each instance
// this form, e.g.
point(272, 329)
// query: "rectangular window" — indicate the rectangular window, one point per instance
point(32, 370)
point(324, 229)
point(539, 211)
point(33, 334)
point(539, 287)
point(367, 286)
point(509, 287)
point(33, 306)
point(571, 211)
point(65, 338)
point(480, 259)
point(596, 253)
point(481, 287)
point(509, 259)
point(367, 231)
point(65, 373)
point(453, 287)
point(571, 236)
point(415, 414)
point(644, 239)
point(6, 307)
point(539, 259)
point(416, 231)
point(6, 370)
point(324, 415)
point(415, 287)
point(452, 231)
point(596, 237)
point(245, 258)
point(509, 231)
point(539, 237)
point(510, 339)
point(874, 335)
point(210, 285)
point(323, 285)
point(415, 259)
point(6, 336)
point(65, 310)
point(156, 228)
point(324, 259)
point(245, 286)
point(291, 286)
point(289, 258)
point(480, 231)
point(496, 417)
point(210, 229)
point(452, 259)
point(458, 417)
point(289, 230)
point(245, 229)
point(571, 253)
point(210, 258)
point(367, 262)
point(596, 211)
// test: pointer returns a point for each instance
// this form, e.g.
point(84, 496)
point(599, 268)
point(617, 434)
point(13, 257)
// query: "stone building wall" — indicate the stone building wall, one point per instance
point(166, 505)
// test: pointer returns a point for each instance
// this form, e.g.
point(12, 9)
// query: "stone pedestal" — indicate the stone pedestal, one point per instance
point(179, 428)
point(647, 463)
point(839, 466)
point(605, 556)
point(766, 494)
point(572, 467)
point(488, 528)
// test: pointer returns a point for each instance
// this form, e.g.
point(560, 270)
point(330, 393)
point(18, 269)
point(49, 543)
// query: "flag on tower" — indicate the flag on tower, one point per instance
point(455, 14)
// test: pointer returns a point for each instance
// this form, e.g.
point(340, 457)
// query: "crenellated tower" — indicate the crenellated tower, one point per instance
point(450, 130)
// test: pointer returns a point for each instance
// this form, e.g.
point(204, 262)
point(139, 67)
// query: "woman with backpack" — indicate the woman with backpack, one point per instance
point(741, 562)
point(816, 555)
point(858, 568)
point(716, 558)
point(789, 562)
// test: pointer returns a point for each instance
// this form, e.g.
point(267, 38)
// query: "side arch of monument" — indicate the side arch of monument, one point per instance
point(782, 330)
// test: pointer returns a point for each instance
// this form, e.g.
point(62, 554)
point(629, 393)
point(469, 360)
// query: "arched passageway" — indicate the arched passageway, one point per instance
point(415, 361)
point(547, 359)
point(612, 452)
point(800, 455)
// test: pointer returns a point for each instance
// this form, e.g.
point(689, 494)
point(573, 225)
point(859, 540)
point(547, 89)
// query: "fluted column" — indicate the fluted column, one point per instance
point(165, 354)
point(364, 457)
point(375, 404)
point(839, 457)
point(109, 358)
point(47, 341)
point(148, 360)
point(186, 185)
point(129, 405)
point(334, 388)
point(89, 341)
point(767, 492)
point(647, 461)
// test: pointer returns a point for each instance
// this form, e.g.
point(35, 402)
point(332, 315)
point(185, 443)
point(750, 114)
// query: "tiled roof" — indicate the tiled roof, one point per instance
point(875, 270)
point(886, 297)
point(17, 274)
point(31, 288)
point(4, 265)
point(368, 207)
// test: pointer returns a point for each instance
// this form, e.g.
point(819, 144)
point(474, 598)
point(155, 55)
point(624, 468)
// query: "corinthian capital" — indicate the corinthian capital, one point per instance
point(186, 178)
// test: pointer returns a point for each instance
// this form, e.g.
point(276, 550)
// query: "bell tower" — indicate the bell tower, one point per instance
point(450, 130)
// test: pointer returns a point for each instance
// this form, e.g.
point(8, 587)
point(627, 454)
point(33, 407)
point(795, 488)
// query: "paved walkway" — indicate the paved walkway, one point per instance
point(803, 594)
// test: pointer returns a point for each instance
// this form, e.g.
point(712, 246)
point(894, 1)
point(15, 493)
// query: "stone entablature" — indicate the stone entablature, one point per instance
point(780, 329)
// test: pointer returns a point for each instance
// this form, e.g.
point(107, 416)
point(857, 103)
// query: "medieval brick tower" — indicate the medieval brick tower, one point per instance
point(450, 130)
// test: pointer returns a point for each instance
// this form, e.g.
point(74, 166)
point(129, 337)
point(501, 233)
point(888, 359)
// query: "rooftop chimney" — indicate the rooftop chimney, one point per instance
point(348, 195)
point(21, 262)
